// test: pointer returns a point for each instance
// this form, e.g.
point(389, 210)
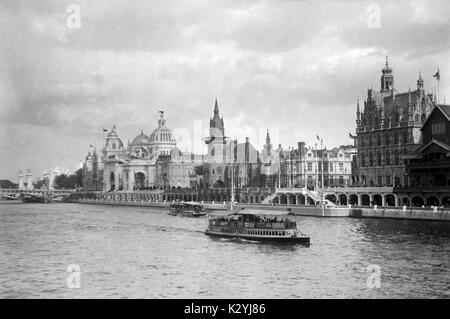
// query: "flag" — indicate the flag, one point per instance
point(318, 138)
point(105, 130)
point(437, 75)
point(91, 145)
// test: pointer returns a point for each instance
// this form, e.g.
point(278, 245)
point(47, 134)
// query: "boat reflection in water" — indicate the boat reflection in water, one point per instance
point(260, 225)
point(191, 209)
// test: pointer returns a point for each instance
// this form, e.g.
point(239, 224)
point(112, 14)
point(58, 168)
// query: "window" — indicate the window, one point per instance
point(370, 140)
point(388, 179)
point(341, 180)
point(387, 139)
point(363, 159)
point(437, 128)
point(379, 140)
point(396, 158)
point(388, 158)
point(363, 142)
point(114, 145)
point(405, 137)
point(396, 138)
point(370, 159)
point(380, 180)
point(310, 167)
point(341, 166)
point(331, 167)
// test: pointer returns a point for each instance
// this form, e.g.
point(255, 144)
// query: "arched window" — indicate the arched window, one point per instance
point(370, 159)
point(363, 159)
point(387, 159)
point(379, 159)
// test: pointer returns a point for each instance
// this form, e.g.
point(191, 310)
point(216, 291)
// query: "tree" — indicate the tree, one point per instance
point(69, 181)
point(41, 183)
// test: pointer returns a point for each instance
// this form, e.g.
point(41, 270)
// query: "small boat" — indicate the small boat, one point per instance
point(191, 209)
point(259, 225)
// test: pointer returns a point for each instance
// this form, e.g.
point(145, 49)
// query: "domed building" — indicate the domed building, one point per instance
point(147, 162)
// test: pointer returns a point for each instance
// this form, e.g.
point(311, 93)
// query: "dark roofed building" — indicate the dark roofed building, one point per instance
point(387, 128)
point(428, 166)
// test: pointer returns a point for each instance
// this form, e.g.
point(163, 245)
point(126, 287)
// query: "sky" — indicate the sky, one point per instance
point(69, 69)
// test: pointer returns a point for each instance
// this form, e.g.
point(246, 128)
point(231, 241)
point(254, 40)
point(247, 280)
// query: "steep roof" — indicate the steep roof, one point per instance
point(445, 109)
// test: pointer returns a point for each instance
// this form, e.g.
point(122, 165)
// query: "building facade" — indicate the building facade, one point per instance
point(152, 162)
point(428, 166)
point(387, 128)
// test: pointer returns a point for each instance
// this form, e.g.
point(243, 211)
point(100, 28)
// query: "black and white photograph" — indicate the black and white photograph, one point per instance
point(216, 151)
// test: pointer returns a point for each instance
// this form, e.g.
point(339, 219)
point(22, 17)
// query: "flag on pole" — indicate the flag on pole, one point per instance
point(437, 75)
point(318, 138)
point(91, 145)
point(105, 130)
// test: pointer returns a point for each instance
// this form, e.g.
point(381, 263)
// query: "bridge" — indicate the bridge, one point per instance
point(360, 196)
point(38, 193)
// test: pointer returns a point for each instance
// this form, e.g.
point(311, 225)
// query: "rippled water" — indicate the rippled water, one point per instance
point(129, 252)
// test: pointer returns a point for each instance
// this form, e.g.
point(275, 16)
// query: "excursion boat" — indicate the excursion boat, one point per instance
point(191, 209)
point(259, 225)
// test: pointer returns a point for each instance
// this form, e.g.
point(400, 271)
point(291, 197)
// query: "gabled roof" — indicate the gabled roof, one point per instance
point(437, 142)
point(445, 109)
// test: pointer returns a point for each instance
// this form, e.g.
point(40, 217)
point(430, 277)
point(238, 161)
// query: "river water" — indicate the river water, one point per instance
point(131, 252)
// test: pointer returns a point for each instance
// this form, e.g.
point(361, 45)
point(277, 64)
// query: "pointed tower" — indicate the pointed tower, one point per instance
point(420, 82)
point(387, 78)
point(216, 140)
point(358, 114)
point(268, 145)
point(410, 107)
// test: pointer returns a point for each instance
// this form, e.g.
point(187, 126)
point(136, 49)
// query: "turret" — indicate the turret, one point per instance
point(358, 113)
point(420, 82)
point(387, 78)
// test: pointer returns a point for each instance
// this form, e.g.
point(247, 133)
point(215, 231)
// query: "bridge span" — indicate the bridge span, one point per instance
point(360, 196)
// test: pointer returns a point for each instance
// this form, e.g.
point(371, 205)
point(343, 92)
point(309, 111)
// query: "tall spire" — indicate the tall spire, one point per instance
point(387, 62)
point(267, 137)
point(409, 96)
point(216, 108)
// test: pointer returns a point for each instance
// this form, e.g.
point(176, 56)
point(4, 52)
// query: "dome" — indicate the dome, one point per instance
point(113, 141)
point(141, 139)
point(162, 134)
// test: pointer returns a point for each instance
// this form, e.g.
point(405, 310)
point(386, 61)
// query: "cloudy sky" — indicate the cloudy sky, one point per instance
point(296, 67)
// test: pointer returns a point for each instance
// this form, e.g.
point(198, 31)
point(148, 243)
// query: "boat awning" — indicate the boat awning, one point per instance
point(260, 212)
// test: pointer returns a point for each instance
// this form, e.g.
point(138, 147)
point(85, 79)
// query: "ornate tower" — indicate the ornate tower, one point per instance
point(216, 140)
point(21, 182)
point(387, 78)
point(420, 82)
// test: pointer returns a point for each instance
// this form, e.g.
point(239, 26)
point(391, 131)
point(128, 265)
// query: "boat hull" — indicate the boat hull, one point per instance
point(277, 239)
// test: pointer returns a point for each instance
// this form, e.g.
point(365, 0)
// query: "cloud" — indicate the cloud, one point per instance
point(295, 66)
